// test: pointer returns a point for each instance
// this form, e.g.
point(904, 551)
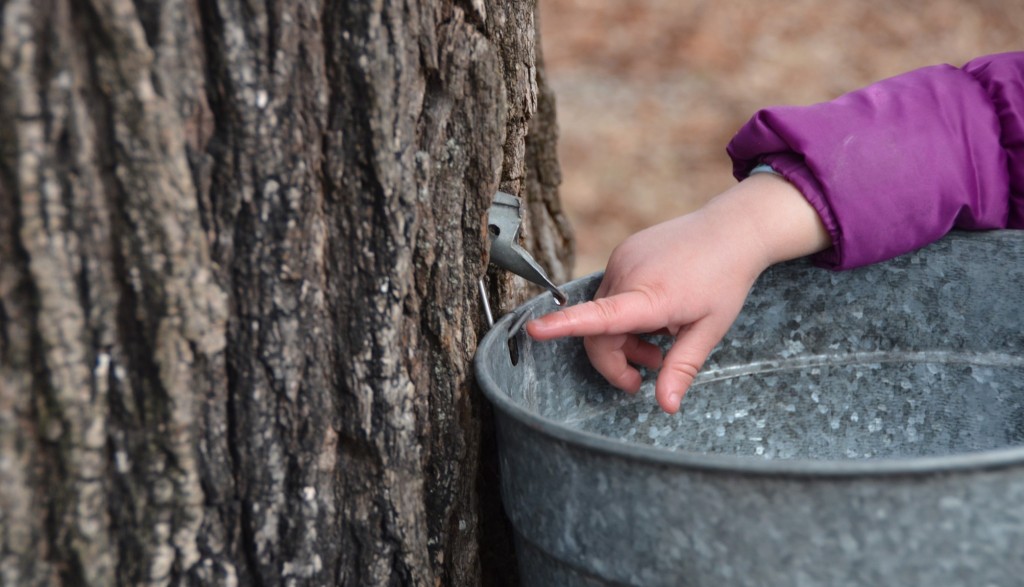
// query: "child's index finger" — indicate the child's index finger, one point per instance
point(625, 313)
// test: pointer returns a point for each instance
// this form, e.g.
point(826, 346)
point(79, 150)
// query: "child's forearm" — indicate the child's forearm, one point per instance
point(772, 212)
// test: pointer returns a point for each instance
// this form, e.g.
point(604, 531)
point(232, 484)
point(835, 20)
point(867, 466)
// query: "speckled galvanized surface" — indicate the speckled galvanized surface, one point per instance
point(857, 428)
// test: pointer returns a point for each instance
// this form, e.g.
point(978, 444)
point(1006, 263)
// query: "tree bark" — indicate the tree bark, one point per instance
point(239, 249)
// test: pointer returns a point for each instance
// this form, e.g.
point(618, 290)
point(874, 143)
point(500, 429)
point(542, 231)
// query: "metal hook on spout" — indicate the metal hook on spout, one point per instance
point(504, 219)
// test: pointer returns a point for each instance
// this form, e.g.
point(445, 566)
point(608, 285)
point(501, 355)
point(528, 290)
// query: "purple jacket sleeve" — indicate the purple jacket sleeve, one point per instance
point(896, 165)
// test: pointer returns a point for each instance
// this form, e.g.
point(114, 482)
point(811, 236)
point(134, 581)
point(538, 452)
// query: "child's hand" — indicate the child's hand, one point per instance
point(687, 277)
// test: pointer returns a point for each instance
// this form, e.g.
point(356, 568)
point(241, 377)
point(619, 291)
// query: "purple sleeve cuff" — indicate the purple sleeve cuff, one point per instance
point(1002, 76)
point(891, 167)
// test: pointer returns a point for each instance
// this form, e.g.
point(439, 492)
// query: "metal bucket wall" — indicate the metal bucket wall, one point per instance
point(857, 428)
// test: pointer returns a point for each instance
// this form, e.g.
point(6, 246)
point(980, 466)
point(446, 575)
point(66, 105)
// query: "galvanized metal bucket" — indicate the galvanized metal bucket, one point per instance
point(856, 428)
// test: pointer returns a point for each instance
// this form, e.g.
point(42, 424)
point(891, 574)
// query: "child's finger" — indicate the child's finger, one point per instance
point(606, 354)
point(618, 314)
point(643, 353)
point(683, 361)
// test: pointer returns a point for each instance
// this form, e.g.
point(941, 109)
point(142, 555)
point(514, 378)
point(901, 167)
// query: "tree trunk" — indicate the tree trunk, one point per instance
point(239, 248)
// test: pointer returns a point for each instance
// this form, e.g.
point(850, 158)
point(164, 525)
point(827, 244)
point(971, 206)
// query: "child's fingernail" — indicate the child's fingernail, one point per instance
point(674, 398)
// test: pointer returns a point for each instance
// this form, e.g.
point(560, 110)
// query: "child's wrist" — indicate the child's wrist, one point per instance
point(738, 229)
point(772, 218)
point(787, 224)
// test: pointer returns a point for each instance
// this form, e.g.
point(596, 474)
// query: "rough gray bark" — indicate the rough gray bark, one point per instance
point(239, 246)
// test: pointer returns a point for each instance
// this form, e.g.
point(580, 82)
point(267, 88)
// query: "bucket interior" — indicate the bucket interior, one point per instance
point(917, 357)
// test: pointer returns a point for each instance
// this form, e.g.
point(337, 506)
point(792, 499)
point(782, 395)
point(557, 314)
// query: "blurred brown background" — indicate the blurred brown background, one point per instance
point(650, 91)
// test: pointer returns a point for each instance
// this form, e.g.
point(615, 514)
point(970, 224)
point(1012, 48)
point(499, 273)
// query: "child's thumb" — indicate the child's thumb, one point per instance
point(683, 361)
